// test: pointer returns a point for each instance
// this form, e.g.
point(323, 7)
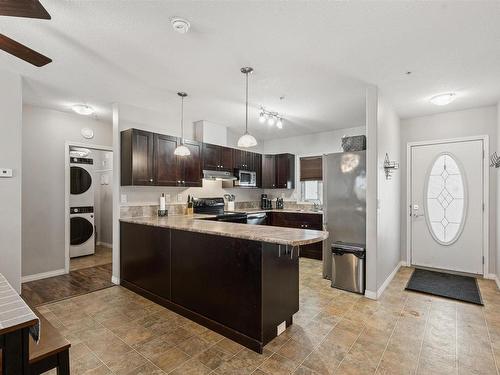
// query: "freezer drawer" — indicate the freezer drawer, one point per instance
point(348, 267)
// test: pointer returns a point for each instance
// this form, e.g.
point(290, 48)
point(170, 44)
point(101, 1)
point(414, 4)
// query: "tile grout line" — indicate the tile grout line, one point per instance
point(392, 333)
point(423, 337)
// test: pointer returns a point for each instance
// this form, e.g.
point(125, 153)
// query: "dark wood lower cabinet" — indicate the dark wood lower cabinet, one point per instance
point(300, 220)
point(239, 288)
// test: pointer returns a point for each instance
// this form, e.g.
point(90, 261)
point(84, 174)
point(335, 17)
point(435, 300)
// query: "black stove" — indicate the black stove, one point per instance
point(215, 206)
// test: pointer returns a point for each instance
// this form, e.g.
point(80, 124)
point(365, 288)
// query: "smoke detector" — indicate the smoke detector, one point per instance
point(180, 25)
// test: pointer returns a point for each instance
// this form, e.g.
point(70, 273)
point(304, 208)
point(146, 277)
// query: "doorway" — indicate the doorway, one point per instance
point(447, 200)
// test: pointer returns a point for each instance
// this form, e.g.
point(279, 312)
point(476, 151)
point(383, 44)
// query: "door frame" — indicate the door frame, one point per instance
point(486, 193)
point(67, 175)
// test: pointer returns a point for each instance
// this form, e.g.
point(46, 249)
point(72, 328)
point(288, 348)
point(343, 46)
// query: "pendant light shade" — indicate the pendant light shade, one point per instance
point(247, 140)
point(182, 150)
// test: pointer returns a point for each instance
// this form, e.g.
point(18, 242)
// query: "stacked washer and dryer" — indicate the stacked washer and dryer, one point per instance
point(81, 202)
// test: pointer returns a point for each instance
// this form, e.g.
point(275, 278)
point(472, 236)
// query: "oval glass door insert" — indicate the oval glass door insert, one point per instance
point(446, 199)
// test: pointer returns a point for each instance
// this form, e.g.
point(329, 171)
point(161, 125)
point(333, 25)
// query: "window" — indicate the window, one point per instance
point(445, 199)
point(312, 191)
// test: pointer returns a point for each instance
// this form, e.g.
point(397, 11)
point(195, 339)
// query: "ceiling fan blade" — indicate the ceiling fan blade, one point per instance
point(23, 8)
point(21, 51)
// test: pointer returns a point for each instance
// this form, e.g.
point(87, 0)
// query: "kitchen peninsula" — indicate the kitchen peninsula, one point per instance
point(237, 279)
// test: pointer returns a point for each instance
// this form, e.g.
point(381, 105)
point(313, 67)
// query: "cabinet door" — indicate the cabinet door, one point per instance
point(166, 164)
point(226, 159)
point(268, 172)
point(211, 156)
point(142, 158)
point(238, 161)
point(145, 257)
point(190, 165)
point(285, 171)
point(258, 168)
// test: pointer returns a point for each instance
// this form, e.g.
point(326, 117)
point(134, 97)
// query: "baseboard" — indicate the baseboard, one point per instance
point(43, 275)
point(376, 295)
point(115, 280)
point(371, 295)
point(492, 276)
point(104, 244)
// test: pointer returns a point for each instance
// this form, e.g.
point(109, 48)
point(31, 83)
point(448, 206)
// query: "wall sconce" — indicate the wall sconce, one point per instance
point(389, 167)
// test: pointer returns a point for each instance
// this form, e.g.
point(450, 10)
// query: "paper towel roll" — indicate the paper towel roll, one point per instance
point(162, 202)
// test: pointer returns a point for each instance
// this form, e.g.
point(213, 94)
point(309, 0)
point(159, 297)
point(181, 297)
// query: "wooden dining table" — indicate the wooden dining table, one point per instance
point(17, 323)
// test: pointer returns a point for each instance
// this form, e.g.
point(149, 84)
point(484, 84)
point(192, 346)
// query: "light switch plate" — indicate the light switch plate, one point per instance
point(5, 172)
point(123, 198)
point(281, 328)
point(179, 197)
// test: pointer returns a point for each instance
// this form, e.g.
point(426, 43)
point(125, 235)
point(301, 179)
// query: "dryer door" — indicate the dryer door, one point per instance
point(81, 230)
point(81, 180)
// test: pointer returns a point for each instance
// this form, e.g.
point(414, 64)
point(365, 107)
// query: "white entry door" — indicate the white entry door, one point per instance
point(447, 206)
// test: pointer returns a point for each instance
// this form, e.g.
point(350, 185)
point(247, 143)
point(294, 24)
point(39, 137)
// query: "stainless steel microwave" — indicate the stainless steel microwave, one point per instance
point(245, 178)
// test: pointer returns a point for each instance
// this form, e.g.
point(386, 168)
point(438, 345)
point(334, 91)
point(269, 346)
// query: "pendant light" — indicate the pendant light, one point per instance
point(247, 140)
point(182, 150)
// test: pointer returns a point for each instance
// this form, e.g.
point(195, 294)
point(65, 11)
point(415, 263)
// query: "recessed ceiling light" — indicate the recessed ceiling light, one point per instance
point(443, 99)
point(180, 25)
point(83, 109)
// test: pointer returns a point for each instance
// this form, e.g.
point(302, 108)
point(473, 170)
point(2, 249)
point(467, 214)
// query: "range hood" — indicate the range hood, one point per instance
point(218, 175)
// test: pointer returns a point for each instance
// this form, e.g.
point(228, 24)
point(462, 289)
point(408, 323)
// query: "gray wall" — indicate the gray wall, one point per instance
point(388, 193)
point(45, 133)
point(10, 188)
point(103, 202)
point(470, 122)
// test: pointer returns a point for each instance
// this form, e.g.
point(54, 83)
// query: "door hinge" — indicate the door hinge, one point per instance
point(483, 259)
point(483, 206)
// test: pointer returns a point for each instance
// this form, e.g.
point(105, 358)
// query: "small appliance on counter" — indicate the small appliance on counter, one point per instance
point(265, 202)
point(279, 203)
point(230, 201)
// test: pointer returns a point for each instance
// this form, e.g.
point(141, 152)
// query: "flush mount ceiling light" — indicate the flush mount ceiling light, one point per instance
point(180, 25)
point(182, 150)
point(443, 99)
point(83, 109)
point(247, 140)
point(271, 117)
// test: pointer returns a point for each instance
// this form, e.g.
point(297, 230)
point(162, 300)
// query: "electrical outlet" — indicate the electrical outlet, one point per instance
point(167, 198)
point(179, 197)
point(5, 172)
point(281, 328)
point(123, 198)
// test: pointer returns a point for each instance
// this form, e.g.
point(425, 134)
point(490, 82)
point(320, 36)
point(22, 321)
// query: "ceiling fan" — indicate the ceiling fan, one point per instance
point(29, 9)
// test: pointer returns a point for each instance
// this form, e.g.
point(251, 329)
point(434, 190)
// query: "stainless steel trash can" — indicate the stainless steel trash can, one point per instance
point(348, 266)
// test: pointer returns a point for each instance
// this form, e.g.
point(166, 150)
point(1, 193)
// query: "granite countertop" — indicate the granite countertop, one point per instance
point(262, 233)
point(285, 210)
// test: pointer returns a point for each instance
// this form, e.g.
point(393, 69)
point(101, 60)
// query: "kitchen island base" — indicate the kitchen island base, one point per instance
point(239, 288)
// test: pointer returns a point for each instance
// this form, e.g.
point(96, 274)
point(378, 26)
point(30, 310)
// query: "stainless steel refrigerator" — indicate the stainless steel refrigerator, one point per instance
point(344, 201)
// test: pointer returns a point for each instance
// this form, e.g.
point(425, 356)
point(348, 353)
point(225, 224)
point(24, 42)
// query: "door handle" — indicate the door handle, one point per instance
point(417, 215)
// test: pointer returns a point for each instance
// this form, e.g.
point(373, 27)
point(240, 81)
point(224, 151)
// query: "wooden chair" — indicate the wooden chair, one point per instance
point(51, 352)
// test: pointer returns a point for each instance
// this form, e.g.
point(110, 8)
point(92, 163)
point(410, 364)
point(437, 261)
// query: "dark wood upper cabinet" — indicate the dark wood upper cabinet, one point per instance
point(285, 171)
point(190, 166)
point(148, 159)
point(137, 157)
point(217, 157)
point(268, 171)
point(311, 168)
point(166, 168)
point(226, 159)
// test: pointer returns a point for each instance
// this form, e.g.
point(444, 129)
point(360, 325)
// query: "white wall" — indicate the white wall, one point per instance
point(498, 199)
point(388, 194)
point(470, 122)
point(307, 145)
point(44, 135)
point(371, 191)
point(10, 188)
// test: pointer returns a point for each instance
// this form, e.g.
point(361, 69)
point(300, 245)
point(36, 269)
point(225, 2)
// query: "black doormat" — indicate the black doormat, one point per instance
point(461, 288)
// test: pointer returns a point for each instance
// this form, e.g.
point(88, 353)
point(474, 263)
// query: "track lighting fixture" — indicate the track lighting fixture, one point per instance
point(272, 118)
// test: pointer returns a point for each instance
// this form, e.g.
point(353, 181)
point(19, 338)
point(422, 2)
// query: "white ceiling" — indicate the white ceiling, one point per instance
point(319, 55)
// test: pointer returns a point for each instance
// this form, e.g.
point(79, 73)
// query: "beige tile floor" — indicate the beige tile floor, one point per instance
point(115, 331)
point(103, 255)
